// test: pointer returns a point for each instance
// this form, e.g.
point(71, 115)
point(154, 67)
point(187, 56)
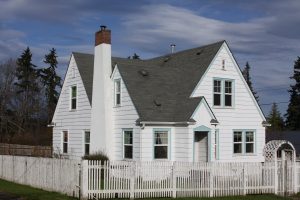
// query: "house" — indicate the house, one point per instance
point(192, 105)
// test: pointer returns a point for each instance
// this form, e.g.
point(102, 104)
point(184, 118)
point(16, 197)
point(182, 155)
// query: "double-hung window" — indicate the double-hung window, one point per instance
point(117, 92)
point(73, 97)
point(243, 142)
point(128, 144)
point(161, 144)
point(65, 141)
point(86, 142)
point(222, 93)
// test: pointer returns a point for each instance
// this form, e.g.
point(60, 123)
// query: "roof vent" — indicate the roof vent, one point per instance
point(143, 72)
point(167, 59)
point(157, 103)
point(199, 52)
point(172, 47)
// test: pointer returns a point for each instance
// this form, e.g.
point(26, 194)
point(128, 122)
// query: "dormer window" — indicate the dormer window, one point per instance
point(223, 92)
point(73, 97)
point(117, 92)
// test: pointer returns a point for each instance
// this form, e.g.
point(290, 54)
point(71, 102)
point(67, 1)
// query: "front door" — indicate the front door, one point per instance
point(201, 146)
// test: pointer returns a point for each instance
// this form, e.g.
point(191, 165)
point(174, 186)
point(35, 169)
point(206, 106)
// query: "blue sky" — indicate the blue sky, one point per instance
point(264, 33)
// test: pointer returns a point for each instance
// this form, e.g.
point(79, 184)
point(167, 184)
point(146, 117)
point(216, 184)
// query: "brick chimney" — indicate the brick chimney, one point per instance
point(103, 36)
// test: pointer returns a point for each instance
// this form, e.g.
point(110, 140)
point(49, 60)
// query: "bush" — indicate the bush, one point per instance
point(96, 156)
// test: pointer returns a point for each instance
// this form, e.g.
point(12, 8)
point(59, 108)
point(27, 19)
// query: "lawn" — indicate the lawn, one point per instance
point(30, 193)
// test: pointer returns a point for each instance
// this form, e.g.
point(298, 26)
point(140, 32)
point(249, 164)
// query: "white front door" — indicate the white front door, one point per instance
point(200, 146)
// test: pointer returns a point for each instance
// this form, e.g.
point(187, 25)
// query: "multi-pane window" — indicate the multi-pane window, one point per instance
point(73, 97)
point(243, 142)
point(65, 141)
point(161, 143)
point(87, 142)
point(117, 92)
point(217, 93)
point(128, 144)
point(223, 93)
point(228, 93)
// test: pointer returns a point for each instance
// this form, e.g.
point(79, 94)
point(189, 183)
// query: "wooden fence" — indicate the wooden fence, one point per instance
point(50, 174)
point(25, 150)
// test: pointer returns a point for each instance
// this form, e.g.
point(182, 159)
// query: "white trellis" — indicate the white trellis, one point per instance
point(279, 148)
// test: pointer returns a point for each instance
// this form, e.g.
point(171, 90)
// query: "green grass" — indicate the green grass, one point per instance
point(248, 197)
point(30, 193)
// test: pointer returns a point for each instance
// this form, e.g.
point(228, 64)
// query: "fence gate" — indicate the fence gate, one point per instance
point(286, 175)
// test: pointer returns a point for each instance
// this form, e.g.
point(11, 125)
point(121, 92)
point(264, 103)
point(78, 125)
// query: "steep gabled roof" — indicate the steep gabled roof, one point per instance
point(160, 88)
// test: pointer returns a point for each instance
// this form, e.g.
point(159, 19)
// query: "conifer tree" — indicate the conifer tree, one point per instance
point(293, 111)
point(275, 119)
point(51, 81)
point(246, 74)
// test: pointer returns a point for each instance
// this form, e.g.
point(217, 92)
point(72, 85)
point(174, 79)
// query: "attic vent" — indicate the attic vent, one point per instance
point(157, 103)
point(199, 52)
point(143, 72)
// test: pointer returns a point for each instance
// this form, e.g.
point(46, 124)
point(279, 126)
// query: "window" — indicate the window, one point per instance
point(161, 144)
point(86, 142)
point(117, 92)
point(73, 97)
point(65, 141)
point(223, 64)
point(127, 141)
point(243, 142)
point(223, 93)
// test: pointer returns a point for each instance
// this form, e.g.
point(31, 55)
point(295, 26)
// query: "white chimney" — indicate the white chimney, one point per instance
point(101, 119)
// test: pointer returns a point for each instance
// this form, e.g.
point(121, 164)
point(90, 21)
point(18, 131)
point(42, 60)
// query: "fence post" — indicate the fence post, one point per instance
point(133, 167)
point(295, 178)
point(211, 185)
point(84, 179)
point(174, 180)
point(244, 180)
point(275, 177)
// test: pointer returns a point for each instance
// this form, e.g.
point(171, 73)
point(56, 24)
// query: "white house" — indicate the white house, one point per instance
point(192, 105)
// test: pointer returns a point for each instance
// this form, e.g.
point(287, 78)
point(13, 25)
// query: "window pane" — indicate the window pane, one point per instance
point(65, 136)
point(87, 149)
point(118, 86)
point(217, 86)
point(217, 99)
point(237, 148)
point(65, 147)
point(73, 106)
point(249, 148)
point(74, 91)
point(237, 137)
point(127, 137)
point(249, 137)
point(228, 100)
point(160, 152)
point(118, 99)
point(161, 138)
point(127, 151)
point(87, 137)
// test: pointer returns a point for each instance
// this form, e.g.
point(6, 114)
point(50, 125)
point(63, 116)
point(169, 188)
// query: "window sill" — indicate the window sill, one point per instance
point(73, 110)
point(223, 107)
point(117, 106)
point(244, 154)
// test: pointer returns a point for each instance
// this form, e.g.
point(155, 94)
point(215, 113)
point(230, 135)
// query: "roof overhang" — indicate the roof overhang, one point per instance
point(155, 123)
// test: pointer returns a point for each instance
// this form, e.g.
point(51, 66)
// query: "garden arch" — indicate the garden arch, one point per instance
point(279, 150)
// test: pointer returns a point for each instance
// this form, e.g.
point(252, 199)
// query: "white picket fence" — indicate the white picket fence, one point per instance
point(59, 175)
point(181, 179)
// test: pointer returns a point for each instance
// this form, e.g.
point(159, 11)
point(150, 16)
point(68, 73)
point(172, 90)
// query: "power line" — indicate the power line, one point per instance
point(272, 89)
point(266, 104)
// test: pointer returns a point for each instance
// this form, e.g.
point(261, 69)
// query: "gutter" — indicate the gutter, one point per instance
point(144, 123)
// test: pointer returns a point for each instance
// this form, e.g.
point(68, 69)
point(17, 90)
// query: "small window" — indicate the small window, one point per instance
point(128, 144)
point(117, 92)
point(161, 145)
point(249, 142)
point(73, 97)
point(228, 93)
point(217, 93)
point(243, 142)
point(86, 142)
point(237, 142)
point(65, 141)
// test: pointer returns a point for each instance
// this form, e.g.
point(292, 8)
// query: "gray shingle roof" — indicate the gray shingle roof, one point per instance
point(160, 88)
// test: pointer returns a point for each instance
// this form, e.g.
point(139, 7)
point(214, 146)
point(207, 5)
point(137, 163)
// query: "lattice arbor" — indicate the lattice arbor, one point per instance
point(279, 150)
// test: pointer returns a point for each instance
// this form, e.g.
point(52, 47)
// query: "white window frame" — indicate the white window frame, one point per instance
point(219, 93)
point(71, 98)
point(244, 142)
point(116, 92)
point(65, 142)
point(155, 131)
point(223, 92)
point(86, 143)
point(127, 145)
point(228, 93)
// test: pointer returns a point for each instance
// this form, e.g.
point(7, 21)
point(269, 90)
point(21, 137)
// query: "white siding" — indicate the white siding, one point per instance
point(244, 114)
point(124, 117)
point(75, 122)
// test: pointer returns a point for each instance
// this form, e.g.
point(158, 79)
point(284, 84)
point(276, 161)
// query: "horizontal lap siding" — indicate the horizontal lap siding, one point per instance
point(73, 121)
point(125, 116)
point(244, 115)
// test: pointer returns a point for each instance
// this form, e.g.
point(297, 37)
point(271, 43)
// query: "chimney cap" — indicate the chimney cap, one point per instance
point(102, 27)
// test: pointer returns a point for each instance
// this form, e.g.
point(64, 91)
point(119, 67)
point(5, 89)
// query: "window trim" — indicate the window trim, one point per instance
point(169, 143)
point(115, 92)
point(71, 98)
point(84, 142)
point(63, 142)
point(244, 142)
point(223, 92)
point(123, 143)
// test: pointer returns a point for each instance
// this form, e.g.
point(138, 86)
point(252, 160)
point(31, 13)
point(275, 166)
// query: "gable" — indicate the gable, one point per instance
point(203, 113)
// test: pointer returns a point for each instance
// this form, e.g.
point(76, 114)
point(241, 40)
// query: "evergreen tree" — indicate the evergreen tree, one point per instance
point(135, 56)
point(246, 74)
point(275, 119)
point(51, 81)
point(293, 111)
point(27, 87)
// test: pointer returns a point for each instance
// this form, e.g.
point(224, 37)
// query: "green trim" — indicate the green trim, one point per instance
point(123, 130)
point(209, 150)
point(244, 142)
point(169, 142)
point(217, 143)
point(201, 128)
point(223, 92)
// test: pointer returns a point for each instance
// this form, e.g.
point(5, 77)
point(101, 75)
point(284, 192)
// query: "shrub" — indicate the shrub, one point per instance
point(96, 156)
